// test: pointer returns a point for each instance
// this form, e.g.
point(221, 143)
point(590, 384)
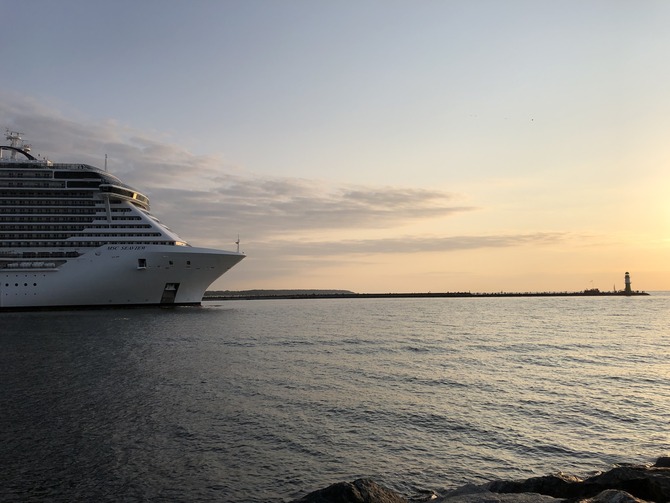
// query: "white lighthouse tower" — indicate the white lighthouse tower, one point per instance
point(627, 291)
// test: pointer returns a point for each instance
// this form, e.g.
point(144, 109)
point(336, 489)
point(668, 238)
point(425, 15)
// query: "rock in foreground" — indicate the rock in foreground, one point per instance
point(621, 484)
point(358, 491)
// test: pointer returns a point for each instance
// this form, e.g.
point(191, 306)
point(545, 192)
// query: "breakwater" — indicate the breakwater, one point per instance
point(316, 294)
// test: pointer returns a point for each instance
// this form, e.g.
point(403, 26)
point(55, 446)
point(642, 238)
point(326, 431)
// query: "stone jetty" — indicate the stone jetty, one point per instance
point(624, 483)
point(345, 294)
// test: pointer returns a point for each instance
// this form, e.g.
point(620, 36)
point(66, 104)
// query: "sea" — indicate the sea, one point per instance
point(267, 400)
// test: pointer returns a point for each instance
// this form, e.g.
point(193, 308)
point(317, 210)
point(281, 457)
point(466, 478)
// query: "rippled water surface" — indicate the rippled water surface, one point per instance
point(263, 401)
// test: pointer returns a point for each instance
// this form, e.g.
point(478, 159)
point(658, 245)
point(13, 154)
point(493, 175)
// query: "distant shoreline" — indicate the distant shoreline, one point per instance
point(270, 295)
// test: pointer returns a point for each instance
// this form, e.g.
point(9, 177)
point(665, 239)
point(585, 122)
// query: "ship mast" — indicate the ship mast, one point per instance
point(15, 141)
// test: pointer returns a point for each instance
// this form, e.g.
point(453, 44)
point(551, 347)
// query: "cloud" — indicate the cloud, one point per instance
point(191, 192)
point(412, 244)
point(281, 206)
point(208, 200)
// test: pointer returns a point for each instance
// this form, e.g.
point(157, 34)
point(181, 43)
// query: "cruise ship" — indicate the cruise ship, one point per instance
point(73, 235)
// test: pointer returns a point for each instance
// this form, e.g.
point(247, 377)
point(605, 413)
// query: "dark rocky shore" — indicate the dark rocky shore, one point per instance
point(625, 483)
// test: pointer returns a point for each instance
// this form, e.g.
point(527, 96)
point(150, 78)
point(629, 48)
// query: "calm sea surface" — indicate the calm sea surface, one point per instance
point(264, 401)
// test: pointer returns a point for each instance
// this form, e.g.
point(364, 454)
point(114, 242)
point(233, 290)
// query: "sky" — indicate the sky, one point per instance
point(367, 145)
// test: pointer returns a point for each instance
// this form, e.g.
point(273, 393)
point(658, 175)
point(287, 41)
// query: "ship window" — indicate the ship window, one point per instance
point(141, 263)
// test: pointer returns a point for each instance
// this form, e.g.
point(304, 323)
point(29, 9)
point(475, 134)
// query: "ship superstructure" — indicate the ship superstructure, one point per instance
point(75, 235)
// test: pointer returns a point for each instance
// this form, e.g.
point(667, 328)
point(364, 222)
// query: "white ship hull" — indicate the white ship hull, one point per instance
point(117, 275)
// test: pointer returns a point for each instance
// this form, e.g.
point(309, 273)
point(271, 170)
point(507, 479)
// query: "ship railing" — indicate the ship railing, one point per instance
point(31, 265)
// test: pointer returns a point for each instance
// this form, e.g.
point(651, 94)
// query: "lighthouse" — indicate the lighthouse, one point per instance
point(627, 291)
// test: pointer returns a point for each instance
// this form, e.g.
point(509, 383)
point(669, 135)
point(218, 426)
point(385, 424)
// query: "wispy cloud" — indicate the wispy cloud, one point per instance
point(276, 207)
point(412, 244)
